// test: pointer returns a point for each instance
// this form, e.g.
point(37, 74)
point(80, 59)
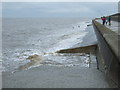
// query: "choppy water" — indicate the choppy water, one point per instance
point(22, 38)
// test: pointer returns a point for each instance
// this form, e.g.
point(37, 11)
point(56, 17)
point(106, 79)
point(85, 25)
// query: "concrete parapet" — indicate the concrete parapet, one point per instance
point(116, 17)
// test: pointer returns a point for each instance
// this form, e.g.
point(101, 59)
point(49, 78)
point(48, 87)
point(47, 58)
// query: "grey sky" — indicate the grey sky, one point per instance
point(60, 0)
point(58, 9)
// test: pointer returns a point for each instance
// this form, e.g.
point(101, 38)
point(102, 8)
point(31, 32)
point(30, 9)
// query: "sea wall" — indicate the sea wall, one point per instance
point(107, 53)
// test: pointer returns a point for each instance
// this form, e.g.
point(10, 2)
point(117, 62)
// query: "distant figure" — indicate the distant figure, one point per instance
point(73, 27)
point(79, 26)
point(109, 20)
point(103, 20)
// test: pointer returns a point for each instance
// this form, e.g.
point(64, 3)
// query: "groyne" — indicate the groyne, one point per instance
point(85, 49)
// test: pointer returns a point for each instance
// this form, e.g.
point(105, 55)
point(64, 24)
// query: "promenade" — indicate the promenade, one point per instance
point(114, 26)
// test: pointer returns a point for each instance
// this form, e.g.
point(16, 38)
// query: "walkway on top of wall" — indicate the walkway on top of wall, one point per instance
point(114, 26)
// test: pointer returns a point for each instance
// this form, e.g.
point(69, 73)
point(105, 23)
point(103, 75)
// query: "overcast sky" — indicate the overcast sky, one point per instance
point(58, 9)
point(60, 0)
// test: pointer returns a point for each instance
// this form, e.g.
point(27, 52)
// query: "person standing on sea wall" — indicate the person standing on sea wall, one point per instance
point(109, 20)
point(103, 20)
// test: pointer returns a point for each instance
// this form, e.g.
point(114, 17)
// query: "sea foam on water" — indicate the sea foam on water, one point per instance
point(27, 40)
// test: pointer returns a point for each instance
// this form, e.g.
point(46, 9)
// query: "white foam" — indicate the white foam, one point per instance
point(73, 36)
point(42, 37)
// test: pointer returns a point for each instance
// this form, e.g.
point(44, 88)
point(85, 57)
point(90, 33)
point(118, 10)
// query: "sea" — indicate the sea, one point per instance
point(36, 40)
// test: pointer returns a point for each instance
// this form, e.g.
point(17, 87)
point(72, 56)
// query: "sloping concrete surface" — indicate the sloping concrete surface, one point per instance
point(56, 77)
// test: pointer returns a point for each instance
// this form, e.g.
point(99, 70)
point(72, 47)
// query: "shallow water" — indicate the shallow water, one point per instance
point(22, 38)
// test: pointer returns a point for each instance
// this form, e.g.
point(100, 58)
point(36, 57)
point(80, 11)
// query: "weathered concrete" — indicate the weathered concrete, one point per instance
point(111, 38)
point(116, 17)
point(56, 77)
point(85, 49)
point(107, 54)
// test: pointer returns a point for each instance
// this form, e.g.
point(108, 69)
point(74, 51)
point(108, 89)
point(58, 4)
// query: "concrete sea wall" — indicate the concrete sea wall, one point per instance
point(107, 53)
